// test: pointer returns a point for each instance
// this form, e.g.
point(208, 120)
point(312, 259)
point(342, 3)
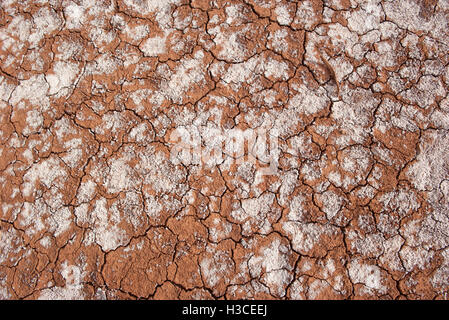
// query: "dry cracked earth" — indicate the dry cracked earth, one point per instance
point(93, 207)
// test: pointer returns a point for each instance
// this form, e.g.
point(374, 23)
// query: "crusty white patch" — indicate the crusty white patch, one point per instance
point(153, 47)
point(368, 275)
point(33, 90)
point(63, 76)
point(432, 163)
point(46, 172)
point(104, 223)
point(306, 235)
point(73, 289)
point(274, 265)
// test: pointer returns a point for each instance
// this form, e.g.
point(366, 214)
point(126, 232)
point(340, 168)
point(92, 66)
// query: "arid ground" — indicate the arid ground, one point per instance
point(243, 149)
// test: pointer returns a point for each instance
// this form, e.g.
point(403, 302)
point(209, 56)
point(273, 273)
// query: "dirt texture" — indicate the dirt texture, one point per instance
point(93, 205)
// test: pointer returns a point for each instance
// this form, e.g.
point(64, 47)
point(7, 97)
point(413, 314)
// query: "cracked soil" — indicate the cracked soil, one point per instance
point(93, 207)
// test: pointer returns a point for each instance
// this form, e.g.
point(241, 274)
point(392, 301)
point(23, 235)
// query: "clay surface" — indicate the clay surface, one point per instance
point(342, 193)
